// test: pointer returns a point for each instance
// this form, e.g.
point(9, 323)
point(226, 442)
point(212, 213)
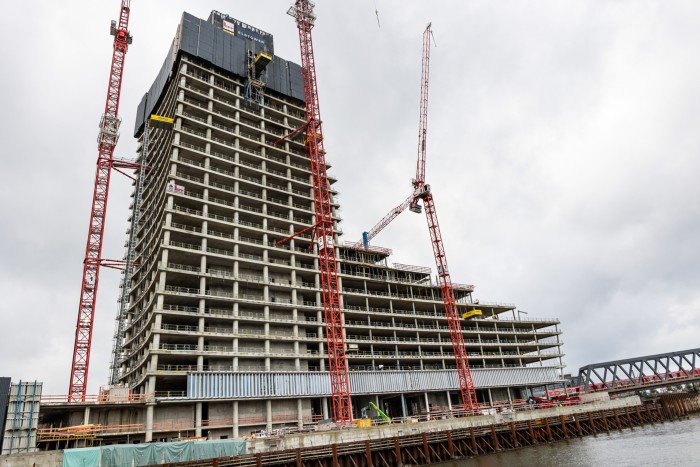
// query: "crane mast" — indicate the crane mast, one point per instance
point(303, 12)
point(421, 191)
point(107, 140)
point(419, 182)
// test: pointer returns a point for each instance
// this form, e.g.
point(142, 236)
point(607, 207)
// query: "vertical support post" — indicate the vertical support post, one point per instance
point(426, 450)
point(235, 419)
point(563, 426)
point(472, 436)
point(578, 425)
point(198, 419)
point(397, 452)
point(149, 422)
point(450, 445)
point(494, 438)
point(368, 454)
point(629, 418)
point(605, 421)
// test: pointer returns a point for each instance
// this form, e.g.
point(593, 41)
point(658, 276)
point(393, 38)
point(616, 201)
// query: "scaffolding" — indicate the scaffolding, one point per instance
point(22, 418)
point(154, 121)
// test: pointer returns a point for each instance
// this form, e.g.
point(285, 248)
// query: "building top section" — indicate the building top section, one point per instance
point(225, 50)
point(242, 30)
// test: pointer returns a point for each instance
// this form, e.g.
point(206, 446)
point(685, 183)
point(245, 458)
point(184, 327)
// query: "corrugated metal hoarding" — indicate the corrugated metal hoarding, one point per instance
point(239, 385)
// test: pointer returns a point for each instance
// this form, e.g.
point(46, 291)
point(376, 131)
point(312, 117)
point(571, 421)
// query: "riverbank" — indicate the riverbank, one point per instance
point(671, 443)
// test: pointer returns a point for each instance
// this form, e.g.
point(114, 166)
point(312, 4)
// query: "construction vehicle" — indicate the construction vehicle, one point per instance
point(386, 419)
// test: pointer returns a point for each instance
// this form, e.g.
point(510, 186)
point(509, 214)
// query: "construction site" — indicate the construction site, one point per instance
point(243, 310)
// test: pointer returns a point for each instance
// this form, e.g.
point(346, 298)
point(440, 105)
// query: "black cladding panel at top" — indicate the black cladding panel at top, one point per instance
point(235, 27)
point(226, 51)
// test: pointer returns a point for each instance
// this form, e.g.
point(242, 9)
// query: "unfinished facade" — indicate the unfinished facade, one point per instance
point(224, 330)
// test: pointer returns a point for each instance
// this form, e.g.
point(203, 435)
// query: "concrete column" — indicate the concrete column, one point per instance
point(149, 421)
point(161, 280)
point(154, 363)
point(86, 416)
point(235, 419)
point(403, 406)
point(449, 400)
point(268, 409)
point(300, 413)
point(164, 256)
point(198, 419)
point(427, 404)
point(324, 407)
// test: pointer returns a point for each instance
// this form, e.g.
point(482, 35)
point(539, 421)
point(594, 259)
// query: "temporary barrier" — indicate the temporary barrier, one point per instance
point(137, 455)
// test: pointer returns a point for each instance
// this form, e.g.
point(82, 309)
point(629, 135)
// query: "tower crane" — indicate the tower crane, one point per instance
point(107, 141)
point(422, 193)
point(303, 13)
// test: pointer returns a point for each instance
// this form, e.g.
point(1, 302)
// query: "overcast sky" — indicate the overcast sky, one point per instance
point(563, 152)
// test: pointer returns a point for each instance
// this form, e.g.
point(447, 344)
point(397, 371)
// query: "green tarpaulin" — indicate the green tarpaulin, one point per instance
point(138, 455)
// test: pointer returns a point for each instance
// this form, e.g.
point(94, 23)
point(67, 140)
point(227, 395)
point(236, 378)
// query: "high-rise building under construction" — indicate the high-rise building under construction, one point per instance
point(224, 325)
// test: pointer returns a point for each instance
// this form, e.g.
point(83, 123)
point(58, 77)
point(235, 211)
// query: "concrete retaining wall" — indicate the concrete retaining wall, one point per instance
point(35, 459)
point(389, 431)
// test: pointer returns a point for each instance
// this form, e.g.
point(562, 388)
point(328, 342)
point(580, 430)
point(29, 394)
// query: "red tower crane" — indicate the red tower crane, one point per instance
point(422, 192)
point(303, 12)
point(107, 140)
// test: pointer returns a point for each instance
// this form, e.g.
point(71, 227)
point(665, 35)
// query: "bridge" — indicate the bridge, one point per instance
point(642, 372)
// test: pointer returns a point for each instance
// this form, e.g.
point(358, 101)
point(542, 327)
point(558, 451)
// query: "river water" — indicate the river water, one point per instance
point(668, 444)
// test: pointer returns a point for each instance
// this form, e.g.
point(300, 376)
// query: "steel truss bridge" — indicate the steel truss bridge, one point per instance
point(641, 372)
